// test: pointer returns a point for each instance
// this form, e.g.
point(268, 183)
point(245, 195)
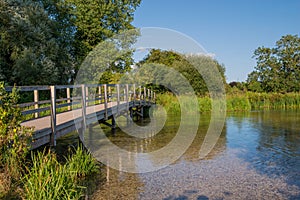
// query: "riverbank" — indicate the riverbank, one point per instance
point(236, 102)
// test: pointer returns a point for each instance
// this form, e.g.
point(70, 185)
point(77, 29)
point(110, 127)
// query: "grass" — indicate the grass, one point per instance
point(47, 178)
point(245, 101)
point(81, 163)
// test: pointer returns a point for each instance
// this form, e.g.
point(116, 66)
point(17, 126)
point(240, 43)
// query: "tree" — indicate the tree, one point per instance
point(45, 41)
point(186, 65)
point(96, 21)
point(278, 68)
point(33, 50)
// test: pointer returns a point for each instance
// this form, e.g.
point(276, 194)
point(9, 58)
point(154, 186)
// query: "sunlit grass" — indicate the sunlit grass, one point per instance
point(245, 101)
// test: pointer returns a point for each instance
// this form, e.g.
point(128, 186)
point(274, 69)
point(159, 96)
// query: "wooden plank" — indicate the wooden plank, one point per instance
point(22, 105)
point(59, 87)
point(27, 88)
point(27, 112)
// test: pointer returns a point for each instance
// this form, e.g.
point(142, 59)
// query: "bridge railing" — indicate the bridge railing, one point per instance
point(43, 101)
point(63, 97)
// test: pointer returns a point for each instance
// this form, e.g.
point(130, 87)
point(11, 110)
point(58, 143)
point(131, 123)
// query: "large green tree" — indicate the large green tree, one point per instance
point(98, 20)
point(33, 47)
point(278, 68)
point(45, 41)
point(188, 66)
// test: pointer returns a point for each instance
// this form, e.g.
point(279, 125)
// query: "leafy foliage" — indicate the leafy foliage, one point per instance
point(33, 46)
point(278, 68)
point(14, 138)
point(45, 41)
point(97, 21)
point(189, 67)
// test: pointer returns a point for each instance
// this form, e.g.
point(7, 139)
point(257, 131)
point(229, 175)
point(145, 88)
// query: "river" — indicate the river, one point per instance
point(257, 156)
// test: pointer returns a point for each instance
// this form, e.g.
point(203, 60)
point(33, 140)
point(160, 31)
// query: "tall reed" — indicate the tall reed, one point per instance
point(243, 101)
point(48, 179)
point(81, 163)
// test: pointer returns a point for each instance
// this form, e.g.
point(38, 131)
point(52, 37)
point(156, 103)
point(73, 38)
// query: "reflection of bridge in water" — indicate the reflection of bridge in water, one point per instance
point(66, 108)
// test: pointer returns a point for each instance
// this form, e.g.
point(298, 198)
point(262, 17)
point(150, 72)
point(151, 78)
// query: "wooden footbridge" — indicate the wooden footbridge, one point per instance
point(58, 110)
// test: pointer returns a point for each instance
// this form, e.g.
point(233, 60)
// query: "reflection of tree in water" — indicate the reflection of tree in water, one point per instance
point(192, 154)
point(278, 144)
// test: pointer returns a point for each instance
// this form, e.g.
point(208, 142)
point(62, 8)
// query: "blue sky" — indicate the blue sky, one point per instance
point(230, 29)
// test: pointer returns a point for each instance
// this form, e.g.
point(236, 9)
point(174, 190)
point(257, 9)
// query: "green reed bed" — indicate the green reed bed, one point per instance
point(273, 100)
point(47, 178)
point(81, 163)
point(244, 101)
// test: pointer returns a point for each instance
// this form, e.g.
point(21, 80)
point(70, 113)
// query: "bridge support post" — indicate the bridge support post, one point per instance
point(53, 116)
point(113, 123)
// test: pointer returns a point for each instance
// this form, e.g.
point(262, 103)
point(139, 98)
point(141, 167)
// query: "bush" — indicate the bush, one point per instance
point(14, 141)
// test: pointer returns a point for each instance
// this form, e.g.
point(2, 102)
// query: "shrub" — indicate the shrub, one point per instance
point(14, 140)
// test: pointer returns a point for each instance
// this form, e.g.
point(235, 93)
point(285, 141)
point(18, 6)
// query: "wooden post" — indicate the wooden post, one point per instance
point(140, 92)
point(36, 101)
point(144, 103)
point(148, 95)
point(87, 95)
point(109, 94)
point(126, 94)
point(134, 97)
point(127, 102)
point(118, 97)
point(105, 101)
point(53, 115)
point(69, 98)
point(113, 123)
point(140, 95)
point(99, 92)
point(83, 103)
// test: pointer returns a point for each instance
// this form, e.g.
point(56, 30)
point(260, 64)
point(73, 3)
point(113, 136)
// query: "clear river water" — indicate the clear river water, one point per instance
point(257, 156)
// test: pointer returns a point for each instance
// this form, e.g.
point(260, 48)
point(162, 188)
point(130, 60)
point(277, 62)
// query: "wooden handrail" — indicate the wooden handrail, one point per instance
point(84, 97)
